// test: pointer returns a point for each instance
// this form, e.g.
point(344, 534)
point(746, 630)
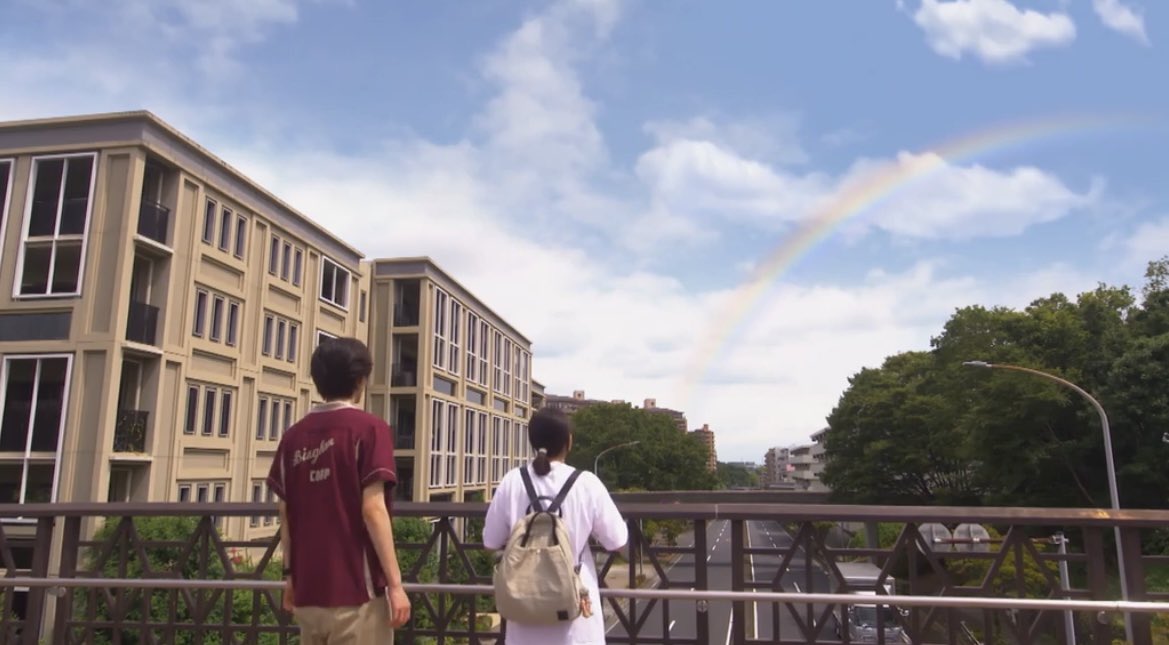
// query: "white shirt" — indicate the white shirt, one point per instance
point(588, 511)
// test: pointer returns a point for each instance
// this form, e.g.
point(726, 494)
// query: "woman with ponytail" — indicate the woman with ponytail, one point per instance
point(587, 511)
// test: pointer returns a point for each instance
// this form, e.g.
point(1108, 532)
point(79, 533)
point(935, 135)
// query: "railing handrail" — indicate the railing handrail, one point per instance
point(1016, 516)
point(801, 598)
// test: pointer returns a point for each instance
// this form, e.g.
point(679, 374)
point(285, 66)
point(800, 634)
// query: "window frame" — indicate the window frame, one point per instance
point(6, 201)
point(56, 238)
point(226, 227)
point(239, 249)
point(210, 219)
point(199, 322)
point(325, 261)
point(27, 459)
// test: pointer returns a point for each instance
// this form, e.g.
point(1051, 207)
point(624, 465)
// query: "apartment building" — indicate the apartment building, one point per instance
point(706, 436)
point(807, 462)
point(453, 378)
point(776, 466)
point(155, 338)
point(677, 416)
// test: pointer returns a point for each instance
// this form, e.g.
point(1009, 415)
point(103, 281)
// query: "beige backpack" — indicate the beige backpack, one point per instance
point(537, 577)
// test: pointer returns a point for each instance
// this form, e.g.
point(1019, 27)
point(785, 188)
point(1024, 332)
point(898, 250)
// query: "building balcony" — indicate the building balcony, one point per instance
point(142, 323)
point(154, 221)
point(130, 431)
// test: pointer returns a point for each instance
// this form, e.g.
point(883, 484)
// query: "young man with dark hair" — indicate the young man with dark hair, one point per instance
point(332, 472)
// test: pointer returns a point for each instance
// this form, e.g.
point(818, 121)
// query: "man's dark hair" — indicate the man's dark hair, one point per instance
point(548, 431)
point(339, 365)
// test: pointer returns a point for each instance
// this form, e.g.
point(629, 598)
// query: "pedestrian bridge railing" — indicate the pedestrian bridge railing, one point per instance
point(691, 573)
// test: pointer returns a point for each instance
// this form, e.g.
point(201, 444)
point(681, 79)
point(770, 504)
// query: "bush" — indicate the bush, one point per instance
point(247, 607)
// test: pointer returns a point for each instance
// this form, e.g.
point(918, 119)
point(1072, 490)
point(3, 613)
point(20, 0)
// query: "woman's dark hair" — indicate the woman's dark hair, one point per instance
point(339, 365)
point(548, 433)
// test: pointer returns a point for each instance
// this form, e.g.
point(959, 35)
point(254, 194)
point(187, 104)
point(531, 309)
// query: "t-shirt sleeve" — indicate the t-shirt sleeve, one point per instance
point(497, 526)
point(375, 457)
point(276, 479)
point(609, 527)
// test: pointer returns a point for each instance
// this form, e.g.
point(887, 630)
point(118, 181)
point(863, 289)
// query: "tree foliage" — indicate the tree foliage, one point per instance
point(665, 459)
point(924, 429)
point(736, 476)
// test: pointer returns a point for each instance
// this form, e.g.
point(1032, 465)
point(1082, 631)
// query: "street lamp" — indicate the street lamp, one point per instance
point(598, 458)
point(1109, 463)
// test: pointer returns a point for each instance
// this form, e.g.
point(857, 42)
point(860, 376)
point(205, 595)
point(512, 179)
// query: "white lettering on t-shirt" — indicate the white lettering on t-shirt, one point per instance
point(319, 475)
point(311, 455)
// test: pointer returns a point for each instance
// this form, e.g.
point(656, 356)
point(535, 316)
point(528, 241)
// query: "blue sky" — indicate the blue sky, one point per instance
point(606, 173)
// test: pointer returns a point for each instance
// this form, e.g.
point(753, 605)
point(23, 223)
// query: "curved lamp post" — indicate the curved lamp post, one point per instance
point(598, 458)
point(1115, 498)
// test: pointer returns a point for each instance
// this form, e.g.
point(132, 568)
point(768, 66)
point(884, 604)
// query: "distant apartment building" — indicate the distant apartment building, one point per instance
point(706, 436)
point(452, 377)
point(776, 466)
point(677, 417)
point(157, 316)
point(570, 404)
point(808, 464)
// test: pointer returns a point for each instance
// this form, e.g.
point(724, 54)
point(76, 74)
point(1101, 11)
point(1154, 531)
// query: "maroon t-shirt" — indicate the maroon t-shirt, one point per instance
point(322, 465)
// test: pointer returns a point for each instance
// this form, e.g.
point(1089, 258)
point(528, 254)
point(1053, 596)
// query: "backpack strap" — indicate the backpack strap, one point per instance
point(563, 491)
point(533, 498)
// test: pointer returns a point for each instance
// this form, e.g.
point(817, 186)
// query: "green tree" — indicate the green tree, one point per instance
point(737, 476)
point(893, 438)
point(665, 459)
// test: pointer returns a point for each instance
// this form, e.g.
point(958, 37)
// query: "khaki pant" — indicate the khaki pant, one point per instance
point(368, 624)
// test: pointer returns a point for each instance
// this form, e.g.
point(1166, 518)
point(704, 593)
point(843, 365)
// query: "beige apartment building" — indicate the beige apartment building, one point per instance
point(706, 436)
point(452, 377)
point(157, 313)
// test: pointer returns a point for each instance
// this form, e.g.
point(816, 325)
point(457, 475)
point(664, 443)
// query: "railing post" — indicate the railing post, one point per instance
point(69, 547)
point(1134, 570)
point(42, 550)
point(701, 581)
point(1097, 581)
point(738, 583)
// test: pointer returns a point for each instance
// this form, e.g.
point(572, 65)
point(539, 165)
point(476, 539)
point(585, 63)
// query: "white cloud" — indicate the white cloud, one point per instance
point(995, 31)
point(1121, 18)
point(772, 139)
point(697, 180)
point(1150, 241)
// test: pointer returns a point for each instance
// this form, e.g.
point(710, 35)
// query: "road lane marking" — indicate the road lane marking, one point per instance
point(671, 627)
point(797, 586)
point(730, 625)
point(751, 561)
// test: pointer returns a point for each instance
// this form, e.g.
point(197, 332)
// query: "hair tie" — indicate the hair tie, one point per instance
point(543, 452)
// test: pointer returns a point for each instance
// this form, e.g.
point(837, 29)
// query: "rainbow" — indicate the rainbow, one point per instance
point(861, 195)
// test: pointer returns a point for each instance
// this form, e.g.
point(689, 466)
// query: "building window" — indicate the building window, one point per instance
point(293, 338)
point(257, 497)
point(192, 420)
point(500, 431)
point(334, 283)
point(212, 415)
point(217, 303)
point(209, 212)
point(233, 323)
point(271, 499)
point(297, 261)
point(361, 306)
point(453, 327)
point(262, 419)
point(33, 399)
point(199, 325)
point(322, 336)
point(274, 256)
point(506, 362)
point(225, 414)
point(269, 323)
point(275, 416)
point(225, 228)
point(440, 327)
point(212, 322)
point(444, 443)
point(474, 447)
point(281, 325)
point(5, 194)
point(497, 362)
point(286, 262)
point(241, 236)
point(55, 225)
point(184, 492)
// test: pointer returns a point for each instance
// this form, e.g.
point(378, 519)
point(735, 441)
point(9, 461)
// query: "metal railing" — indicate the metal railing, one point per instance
point(130, 431)
point(154, 221)
point(713, 573)
point(142, 323)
